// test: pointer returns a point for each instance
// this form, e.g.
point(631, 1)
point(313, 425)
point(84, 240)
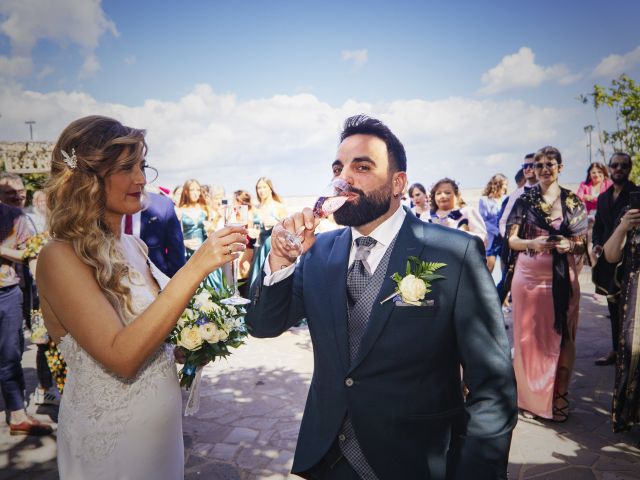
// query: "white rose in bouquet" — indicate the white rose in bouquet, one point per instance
point(200, 299)
point(224, 334)
point(210, 333)
point(187, 316)
point(190, 338)
point(412, 289)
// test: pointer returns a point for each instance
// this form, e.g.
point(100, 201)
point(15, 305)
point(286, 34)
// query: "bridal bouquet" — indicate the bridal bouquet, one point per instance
point(206, 330)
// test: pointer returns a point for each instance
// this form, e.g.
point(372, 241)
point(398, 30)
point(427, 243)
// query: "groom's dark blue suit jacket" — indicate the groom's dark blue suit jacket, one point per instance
point(160, 230)
point(405, 398)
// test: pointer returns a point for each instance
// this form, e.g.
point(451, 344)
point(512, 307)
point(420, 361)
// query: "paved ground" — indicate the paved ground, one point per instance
point(252, 405)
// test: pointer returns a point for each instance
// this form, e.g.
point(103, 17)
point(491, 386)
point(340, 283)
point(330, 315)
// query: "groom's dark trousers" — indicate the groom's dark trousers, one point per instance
point(402, 393)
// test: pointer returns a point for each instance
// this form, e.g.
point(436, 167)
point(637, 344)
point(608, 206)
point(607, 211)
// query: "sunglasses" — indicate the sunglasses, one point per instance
point(527, 165)
point(541, 165)
point(622, 166)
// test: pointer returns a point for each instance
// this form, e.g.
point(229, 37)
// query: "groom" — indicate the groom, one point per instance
point(386, 399)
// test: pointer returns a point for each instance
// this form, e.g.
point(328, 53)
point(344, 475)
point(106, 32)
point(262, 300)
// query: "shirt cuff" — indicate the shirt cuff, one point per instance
point(271, 278)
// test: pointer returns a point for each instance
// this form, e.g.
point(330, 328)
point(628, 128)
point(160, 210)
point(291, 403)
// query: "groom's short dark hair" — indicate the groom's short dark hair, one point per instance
point(364, 125)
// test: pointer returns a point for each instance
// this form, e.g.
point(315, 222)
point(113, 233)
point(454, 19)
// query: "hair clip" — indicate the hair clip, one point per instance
point(71, 161)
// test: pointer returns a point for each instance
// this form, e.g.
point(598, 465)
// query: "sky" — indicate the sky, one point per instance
point(230, 91)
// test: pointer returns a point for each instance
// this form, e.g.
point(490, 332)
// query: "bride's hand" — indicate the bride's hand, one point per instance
point(221, 247)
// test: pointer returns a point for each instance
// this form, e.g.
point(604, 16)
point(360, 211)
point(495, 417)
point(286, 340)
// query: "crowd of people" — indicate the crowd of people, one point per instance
point(138, 256)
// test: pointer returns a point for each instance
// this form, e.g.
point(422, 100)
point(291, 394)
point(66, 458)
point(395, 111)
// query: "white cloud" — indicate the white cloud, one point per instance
point(358, 57)
point(293, 138)
point(614, 65)
point(519, 70)
point(79, 22)
point(16, 66)
point(90, 66)
point(45, 72)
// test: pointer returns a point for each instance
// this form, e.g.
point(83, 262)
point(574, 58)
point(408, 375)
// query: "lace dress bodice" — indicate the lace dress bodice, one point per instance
point(103, 417)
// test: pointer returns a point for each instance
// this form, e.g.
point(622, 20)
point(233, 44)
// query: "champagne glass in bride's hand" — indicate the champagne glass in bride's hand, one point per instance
point(235, 216)
point(326, 205)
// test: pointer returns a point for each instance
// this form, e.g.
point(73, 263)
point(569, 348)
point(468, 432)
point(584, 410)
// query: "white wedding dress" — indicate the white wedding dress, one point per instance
point(112, 428)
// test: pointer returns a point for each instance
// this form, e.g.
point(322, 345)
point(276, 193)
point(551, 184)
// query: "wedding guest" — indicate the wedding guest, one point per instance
point(623, 247)
point(609, 209)
point(547, 233)
point(418, 195)
point(449, 209)
point(194, 214)
point(489, 206)
point(596, 183)
point(161, 231)
point(46, 393)
point(15, 230)
point(242, 197)
point(270, 211)
point(12, 191)
point(530, 181)
point(38, 215)
point(120, 415)
point(176, 195)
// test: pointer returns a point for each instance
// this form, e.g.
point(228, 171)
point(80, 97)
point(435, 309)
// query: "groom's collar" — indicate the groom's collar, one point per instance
point(386, 231)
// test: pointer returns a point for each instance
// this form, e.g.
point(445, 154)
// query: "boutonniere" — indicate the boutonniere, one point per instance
point(416, 283)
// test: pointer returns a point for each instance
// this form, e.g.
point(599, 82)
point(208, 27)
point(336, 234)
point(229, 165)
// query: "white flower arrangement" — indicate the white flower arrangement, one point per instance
point(206, 330)
point(414, 286)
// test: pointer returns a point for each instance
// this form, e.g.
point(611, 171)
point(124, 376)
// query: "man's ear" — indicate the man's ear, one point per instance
point(399, 183)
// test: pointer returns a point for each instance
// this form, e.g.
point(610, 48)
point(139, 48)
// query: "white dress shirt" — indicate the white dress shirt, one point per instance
point(135, 224)
point(383, 235)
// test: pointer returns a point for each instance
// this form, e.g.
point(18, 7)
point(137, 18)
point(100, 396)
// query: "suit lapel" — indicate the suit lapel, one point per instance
point(337, 276)
point(409, 243)
point(144, 219)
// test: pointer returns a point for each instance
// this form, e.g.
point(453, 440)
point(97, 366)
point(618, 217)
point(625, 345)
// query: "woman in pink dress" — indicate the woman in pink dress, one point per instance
point(596, 183)
point(547, 237)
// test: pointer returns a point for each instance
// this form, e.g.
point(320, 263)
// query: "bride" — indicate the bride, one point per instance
point(110, 309)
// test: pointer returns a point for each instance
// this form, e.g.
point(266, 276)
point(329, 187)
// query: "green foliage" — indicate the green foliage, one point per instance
point(33, 182)
point(422, 270)
point(623, 96)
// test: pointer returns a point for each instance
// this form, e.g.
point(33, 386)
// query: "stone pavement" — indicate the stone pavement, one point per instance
point(252, 403)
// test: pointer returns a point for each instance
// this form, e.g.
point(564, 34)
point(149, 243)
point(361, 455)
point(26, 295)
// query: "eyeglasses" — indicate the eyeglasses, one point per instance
point(527, 165)
point(150, 173)
point(621, 166)
point(541, 165)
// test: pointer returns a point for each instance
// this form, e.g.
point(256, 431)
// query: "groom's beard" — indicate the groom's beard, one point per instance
point(366, 209)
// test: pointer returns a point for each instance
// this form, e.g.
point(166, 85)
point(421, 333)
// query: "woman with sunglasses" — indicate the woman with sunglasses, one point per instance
point(546, 233)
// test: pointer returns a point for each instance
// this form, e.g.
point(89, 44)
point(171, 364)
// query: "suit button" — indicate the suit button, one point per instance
point(349, 382)
point(341, 437)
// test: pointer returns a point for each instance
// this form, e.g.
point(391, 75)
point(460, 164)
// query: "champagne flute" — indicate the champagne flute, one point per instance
point(235, 216)
point(324, 207)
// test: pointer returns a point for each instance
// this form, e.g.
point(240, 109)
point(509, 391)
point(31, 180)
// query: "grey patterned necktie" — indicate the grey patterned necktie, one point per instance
point(359, 272)
point(358, 278)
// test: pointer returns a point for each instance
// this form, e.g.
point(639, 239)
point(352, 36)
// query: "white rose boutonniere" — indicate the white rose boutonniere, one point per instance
point(416, 283)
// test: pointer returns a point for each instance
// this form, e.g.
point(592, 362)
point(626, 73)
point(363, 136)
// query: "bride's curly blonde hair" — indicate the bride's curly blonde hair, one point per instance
point(76, 196)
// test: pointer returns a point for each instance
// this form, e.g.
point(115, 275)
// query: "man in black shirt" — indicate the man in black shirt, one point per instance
point(610, 204)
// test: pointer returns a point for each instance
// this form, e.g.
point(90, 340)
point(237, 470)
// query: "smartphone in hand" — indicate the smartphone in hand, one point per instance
point(634, 200)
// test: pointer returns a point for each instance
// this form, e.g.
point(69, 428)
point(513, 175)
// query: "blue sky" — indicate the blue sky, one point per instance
point(231, 90)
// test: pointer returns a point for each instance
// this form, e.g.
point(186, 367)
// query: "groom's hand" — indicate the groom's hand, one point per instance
point(302, 225)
